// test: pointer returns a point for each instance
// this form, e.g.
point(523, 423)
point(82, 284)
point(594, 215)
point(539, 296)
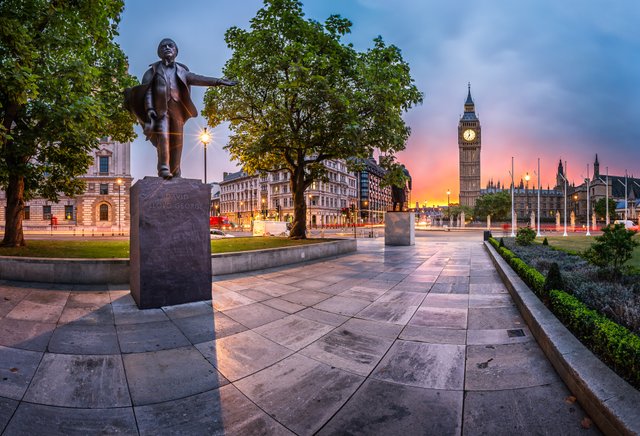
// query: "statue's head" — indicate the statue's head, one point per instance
point(167, 49)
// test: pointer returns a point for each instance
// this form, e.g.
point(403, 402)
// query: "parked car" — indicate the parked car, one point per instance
point(219, 234)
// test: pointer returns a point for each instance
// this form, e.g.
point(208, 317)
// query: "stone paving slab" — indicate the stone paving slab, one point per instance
point(242, 354)
point(381, 408)
point(299, 392)
point(82, 381)
point(26, 335)
point(84, 339)
point(545, 409)
point(220, 411)
point(165, 375)
point(433, 335)
point(349, 350)
point(38, 419)
point(294, 332)
point(388, 340)
point(432, 366)
point(17, 367)
point(150, 336)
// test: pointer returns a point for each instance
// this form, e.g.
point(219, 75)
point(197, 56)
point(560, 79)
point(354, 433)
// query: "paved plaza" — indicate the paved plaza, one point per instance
point(388, 340)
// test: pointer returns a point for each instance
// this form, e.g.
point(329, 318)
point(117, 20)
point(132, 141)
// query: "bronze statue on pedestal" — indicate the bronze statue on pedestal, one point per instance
point(162, 104)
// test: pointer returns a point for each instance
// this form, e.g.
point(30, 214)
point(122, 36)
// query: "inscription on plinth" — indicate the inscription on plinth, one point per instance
point(399, 228)
point(170, 260)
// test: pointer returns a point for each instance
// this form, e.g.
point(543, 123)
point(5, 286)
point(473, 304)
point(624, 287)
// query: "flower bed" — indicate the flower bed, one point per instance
point(613, 343)
point(618, 300)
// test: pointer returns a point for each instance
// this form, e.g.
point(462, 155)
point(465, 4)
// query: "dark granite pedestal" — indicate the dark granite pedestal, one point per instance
point(170, 242)
point(399, 228)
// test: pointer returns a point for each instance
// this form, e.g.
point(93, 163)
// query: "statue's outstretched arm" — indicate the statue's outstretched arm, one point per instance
point(198, 80)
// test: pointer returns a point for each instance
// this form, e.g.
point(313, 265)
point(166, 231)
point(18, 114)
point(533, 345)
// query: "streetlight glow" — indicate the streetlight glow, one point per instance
point(119, 181)
point(205, 138)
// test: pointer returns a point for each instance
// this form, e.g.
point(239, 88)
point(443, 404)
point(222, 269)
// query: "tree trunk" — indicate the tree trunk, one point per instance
point(13, 234)
point(299, 228)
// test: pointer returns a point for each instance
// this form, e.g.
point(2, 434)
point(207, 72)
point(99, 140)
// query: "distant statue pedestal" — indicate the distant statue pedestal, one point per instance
point(399, 228)
point(170, 260)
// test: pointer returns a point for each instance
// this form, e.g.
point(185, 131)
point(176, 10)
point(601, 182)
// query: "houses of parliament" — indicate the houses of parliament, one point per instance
point(526, 194)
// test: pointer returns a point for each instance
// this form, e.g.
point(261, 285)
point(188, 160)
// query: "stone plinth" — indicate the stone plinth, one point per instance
point(170, 242)
point(399, 228)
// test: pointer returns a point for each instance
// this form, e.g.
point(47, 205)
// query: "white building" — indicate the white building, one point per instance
point(245, 197)
point(104, 206)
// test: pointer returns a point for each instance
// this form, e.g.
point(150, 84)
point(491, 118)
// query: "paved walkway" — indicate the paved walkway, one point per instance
point(394, 341)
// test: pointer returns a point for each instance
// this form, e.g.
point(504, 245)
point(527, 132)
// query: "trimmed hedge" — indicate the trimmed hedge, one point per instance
point(614, 344)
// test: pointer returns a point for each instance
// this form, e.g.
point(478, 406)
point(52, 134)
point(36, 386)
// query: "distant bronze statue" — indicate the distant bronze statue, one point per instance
point(399, 193)
point(162, 104)
point(398, 197)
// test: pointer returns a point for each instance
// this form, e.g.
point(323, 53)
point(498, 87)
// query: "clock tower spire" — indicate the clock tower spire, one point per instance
point(469, 140)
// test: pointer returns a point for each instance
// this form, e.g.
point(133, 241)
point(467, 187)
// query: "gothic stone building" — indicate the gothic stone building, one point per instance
point(469, 140)
point(104, 206)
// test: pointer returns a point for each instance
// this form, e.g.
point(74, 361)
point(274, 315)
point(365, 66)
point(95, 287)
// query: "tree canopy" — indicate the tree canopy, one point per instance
point(600, 207)
point(497, 204)
point(305, 97)
point(61, 90)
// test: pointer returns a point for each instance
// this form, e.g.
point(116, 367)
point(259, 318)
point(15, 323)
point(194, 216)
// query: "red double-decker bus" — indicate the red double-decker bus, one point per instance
point(219, 222)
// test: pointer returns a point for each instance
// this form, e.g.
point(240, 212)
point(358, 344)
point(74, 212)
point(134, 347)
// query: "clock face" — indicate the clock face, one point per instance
point(469, 135)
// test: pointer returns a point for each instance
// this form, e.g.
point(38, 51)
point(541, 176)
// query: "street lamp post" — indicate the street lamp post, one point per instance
point(626, 202)
point(588, 182)
point(205, 137)
point(513, 213)
point(119, 181)
point(448, 204)
point(606, 193)
point(538, 217)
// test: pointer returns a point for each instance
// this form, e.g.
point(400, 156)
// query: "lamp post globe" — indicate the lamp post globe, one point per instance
point(205, 138)
point(119, 182)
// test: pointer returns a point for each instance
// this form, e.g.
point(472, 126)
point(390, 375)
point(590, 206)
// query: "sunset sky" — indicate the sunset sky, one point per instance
point(550, 79)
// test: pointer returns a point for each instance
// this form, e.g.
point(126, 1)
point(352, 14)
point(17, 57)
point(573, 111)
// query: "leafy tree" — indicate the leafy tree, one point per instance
point(600, 208)
point(525, 235)
point(456, 209)
point(613, 248)
point(498, 205)
point(305, 97)
point(61, 90)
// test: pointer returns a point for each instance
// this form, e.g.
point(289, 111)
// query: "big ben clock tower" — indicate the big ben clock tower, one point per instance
point(469, 139)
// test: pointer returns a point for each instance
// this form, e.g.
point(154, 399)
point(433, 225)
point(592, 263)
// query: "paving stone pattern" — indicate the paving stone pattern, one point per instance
point(387, 340)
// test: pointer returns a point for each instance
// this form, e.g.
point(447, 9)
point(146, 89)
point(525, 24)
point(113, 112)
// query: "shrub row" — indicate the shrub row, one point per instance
point(614, 344)
point(529, 275)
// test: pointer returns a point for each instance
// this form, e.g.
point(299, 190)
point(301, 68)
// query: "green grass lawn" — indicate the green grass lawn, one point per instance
point(581, 243)
point(120, 249)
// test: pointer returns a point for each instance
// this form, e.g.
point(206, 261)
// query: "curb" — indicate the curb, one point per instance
point(116, 271)
point(609, 400)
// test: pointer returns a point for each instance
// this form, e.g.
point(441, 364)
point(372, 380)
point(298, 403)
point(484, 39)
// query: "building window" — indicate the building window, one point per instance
point(104, 164)
point(104, 212)
point(68, 212)
point(46, 212)
point(27, 213)
point(104, 189)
